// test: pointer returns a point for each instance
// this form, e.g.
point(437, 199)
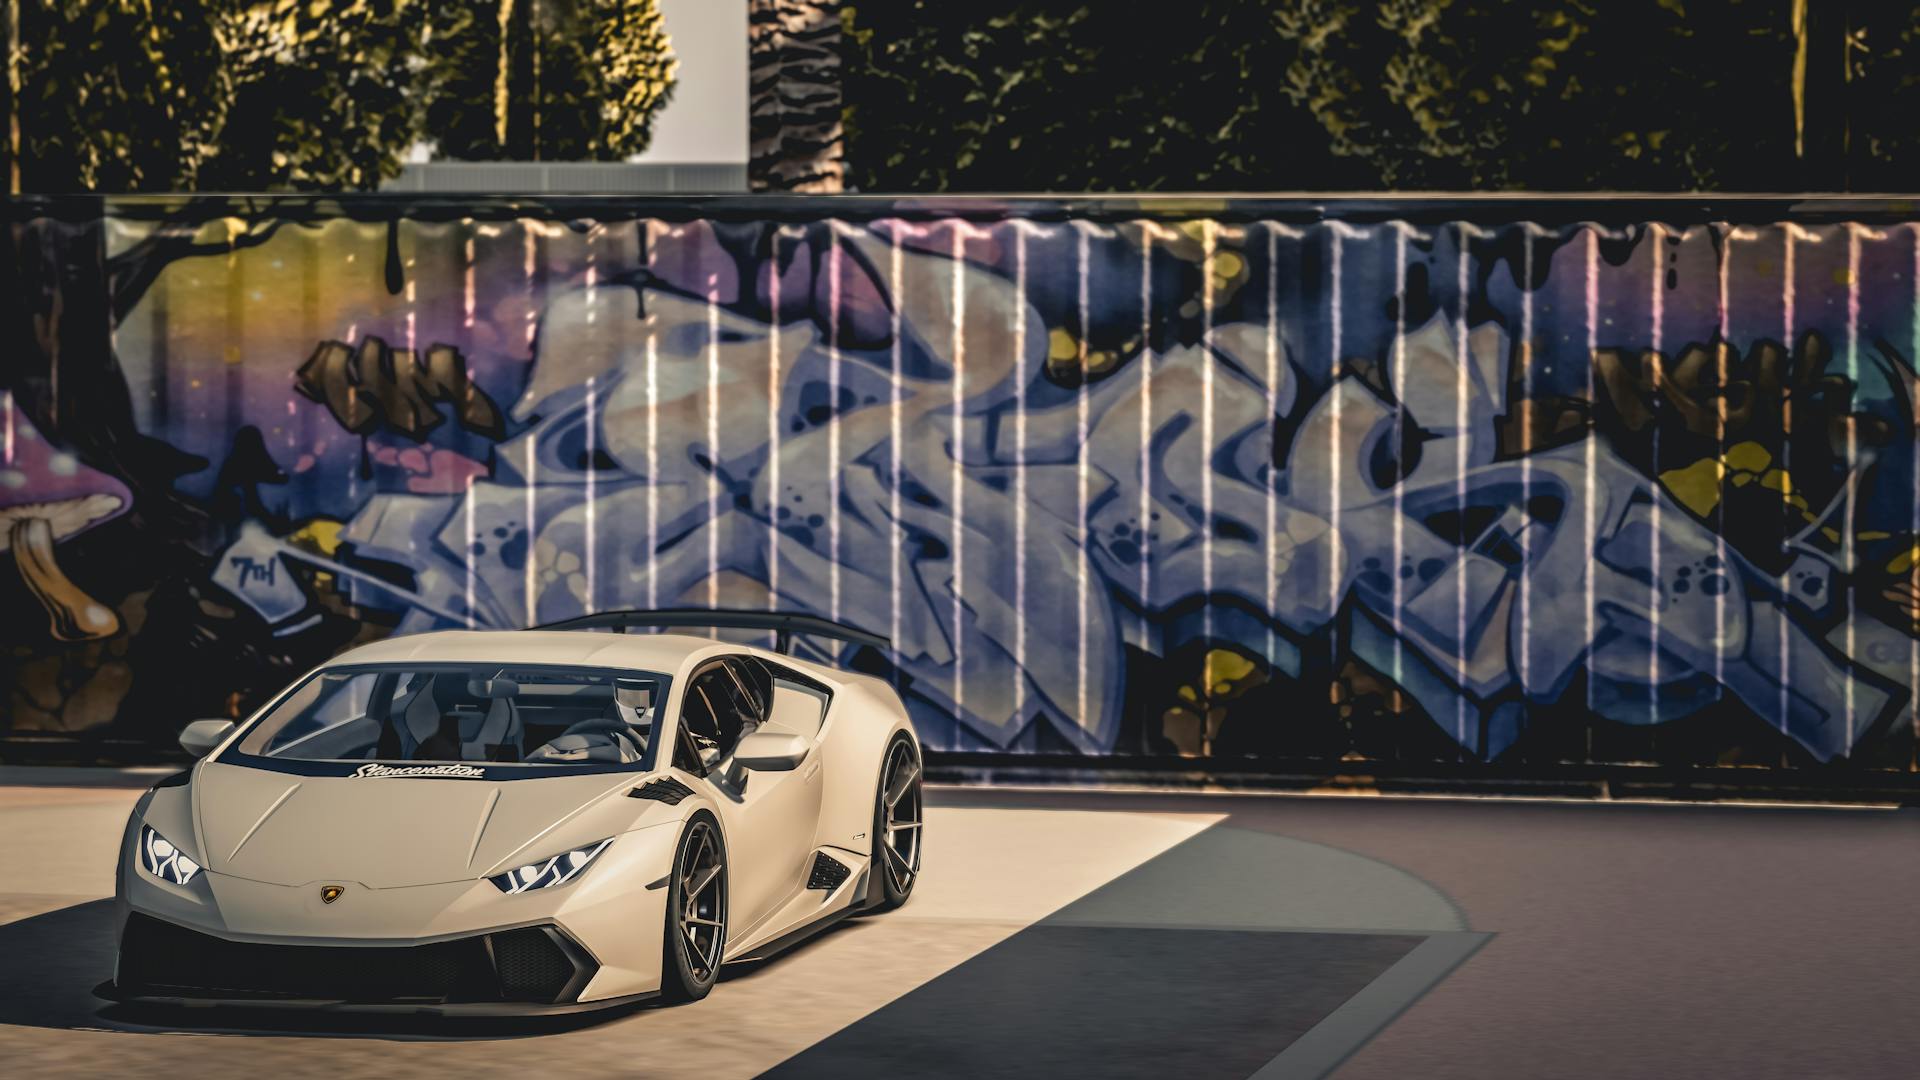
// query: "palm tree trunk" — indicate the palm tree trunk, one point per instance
point(798, 142)
point(13, 97)
point(1823, 85)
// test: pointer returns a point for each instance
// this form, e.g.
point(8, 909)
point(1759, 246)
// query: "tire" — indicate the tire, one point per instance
point(897, 817)
point(696, 923)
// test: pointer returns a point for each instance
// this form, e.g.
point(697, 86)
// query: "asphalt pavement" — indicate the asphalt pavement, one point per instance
point(1134, 934)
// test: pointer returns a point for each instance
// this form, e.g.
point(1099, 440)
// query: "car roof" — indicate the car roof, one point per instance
point(662, 653)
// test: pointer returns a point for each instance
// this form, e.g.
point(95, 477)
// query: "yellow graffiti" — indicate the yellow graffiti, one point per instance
point(321, 535)
point(1064, 357)
point(1224, 675)
point(1224, 669)
point(1747, 456)
point(1697, 486)
point(1904, 561)
point(1062, 346)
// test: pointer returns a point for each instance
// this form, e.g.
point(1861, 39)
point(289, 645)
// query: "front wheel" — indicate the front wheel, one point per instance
point(696, 932)
point(896, 828)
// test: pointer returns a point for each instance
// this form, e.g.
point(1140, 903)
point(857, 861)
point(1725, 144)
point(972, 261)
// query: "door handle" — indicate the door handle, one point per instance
point(813, 770)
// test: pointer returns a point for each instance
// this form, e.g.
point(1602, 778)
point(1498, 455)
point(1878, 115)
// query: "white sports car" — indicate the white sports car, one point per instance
point(521, 821)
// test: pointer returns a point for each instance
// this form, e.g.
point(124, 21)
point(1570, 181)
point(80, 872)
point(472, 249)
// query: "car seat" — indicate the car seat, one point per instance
point(445, 721)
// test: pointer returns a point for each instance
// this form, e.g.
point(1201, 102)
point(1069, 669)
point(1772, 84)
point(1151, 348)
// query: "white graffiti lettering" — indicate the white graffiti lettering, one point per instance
point(464, 772)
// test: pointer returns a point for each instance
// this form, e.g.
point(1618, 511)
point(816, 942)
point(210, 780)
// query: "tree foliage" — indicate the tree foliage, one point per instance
point(118, 95)
point(128, 95)
point(323, 94)
point(1551, 95)
point(1883, 94)
point(547, 80)
point(141, 95)
point(1023, 95)
point(1331, 94)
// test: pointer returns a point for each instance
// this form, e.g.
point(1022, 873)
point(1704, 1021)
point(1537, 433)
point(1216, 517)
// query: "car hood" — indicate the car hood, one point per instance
point(286, 829)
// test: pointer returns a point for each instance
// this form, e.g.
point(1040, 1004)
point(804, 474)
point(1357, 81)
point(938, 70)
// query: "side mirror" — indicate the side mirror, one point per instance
point(771, 751)
point(200, 737)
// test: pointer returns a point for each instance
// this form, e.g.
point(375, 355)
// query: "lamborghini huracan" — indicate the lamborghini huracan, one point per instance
point(522, 821)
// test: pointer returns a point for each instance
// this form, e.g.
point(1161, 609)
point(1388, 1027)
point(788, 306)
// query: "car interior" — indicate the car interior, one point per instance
point(724, 703)
point(455, 714)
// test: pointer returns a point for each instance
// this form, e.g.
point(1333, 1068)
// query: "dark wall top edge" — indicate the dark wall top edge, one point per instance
point(1286, 208)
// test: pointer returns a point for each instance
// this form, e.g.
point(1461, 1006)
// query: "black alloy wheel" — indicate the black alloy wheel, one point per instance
point(696, 913)
point(897, 828)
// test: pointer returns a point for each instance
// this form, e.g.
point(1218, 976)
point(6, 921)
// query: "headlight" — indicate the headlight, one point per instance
point(558, 870)
point(160, 858)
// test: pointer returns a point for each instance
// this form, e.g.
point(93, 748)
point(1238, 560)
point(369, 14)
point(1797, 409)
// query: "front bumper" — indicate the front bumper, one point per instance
point(530, 968)
point(453, 948)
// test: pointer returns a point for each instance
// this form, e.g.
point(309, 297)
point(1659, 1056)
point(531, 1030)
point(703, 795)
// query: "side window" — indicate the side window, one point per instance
point(685, 752)
point(749, 700)
point(722, 704)
point(795, 707)
point(757, 683)
point(697, 744)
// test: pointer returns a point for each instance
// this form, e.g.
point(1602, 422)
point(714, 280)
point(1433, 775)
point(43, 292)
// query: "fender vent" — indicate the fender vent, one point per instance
point(668, 790)
point(827, 874)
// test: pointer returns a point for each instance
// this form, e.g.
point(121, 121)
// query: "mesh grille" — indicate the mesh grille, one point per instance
point(827, 874)
point(531, 965)
point(162, 958)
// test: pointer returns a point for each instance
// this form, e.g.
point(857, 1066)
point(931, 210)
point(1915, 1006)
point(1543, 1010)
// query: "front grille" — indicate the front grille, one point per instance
point(535, 965)
point(531, 965)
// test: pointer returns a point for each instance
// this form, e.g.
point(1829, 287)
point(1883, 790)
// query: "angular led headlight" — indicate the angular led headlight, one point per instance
point(558, 870)
point(160, 858)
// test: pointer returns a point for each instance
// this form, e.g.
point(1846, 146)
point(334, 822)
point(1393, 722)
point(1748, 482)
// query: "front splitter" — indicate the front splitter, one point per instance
point(137, 997)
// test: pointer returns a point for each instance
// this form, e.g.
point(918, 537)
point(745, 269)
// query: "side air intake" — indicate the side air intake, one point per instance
point(828, 872)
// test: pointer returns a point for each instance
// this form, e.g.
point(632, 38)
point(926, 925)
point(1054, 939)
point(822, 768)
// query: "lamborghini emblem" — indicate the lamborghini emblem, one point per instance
point(330, 893)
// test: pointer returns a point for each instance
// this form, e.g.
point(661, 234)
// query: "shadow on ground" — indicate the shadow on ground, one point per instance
point(53, 962)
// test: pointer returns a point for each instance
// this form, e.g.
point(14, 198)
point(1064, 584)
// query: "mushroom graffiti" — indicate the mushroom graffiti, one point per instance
point(48, 496)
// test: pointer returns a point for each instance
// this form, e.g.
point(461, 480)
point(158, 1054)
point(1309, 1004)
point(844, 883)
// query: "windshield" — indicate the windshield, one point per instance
point(472, 713)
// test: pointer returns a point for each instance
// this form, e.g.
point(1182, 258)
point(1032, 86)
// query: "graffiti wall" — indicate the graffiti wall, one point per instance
point(1485, 482)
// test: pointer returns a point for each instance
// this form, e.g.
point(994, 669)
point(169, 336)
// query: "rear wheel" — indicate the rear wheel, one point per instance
point(696, 933)
point(896, 828)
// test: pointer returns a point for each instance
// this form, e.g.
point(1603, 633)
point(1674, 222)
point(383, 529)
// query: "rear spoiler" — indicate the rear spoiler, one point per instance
point(783, 625)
